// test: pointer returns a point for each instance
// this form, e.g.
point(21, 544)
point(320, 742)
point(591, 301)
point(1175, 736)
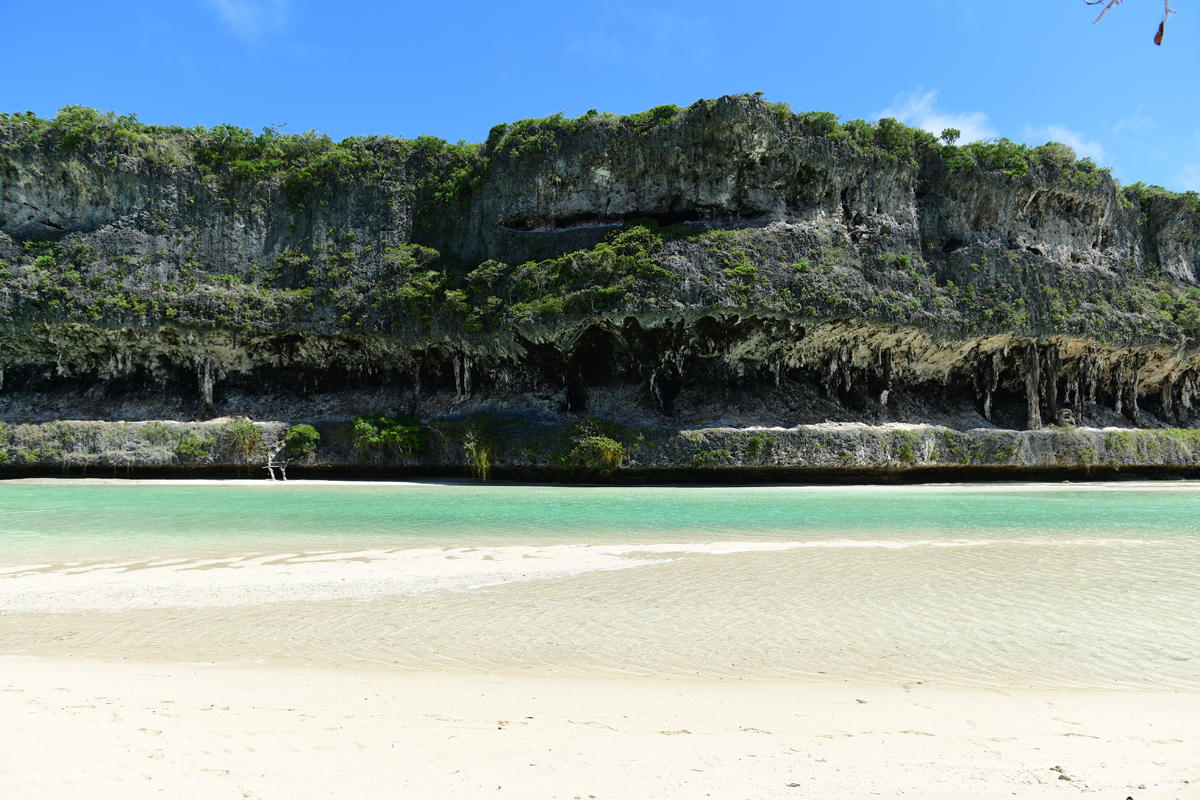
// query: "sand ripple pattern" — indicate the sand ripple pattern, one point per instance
point(1092, 612)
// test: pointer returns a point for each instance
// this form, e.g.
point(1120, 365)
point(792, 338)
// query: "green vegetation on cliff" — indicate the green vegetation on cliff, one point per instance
point(629, 271)
point(300, 162)
point(380, 276)
point(224, 153)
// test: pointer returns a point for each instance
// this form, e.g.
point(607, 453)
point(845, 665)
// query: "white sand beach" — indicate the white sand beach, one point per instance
point(124, 729)
point(942, 662)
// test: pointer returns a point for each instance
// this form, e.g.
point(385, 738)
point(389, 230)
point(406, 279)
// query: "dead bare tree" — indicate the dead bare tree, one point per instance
point(273, 461)
point(1167, 11)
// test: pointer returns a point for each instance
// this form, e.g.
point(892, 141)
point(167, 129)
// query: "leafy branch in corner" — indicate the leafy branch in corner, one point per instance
point(1167, 11)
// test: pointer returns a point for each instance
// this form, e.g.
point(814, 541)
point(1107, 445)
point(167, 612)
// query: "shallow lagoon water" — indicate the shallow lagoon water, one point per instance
point(1011, 585)
point(87, 521)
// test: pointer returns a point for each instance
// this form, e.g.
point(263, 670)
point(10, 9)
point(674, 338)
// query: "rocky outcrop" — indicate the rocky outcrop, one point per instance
point(121, 207)
point(691, 370)
point(730, 265)
point(900, 231)
point(599, 451)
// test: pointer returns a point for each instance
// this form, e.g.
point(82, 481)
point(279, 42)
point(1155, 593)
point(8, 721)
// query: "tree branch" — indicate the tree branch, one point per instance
point(1167, 11)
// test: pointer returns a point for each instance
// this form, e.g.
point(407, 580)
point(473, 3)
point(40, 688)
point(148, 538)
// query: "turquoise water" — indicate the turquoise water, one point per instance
point(1004, 585)
point(87, 521)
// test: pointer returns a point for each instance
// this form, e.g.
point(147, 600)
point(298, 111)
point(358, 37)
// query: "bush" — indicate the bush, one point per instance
point(156, 433)
point(599, 453)
point(586, 281)
point(824, 123)
point(243, 437)
point(302, 439)
point(1144, 194)
point(958, 159)
point(400, 433)
point(710, 459)
point(659, 115)
point(1056, 154)
point(759, 445)
point(195, 446)
point(1017, 160)
point(480, 454)
point(1004, 155)
point(895, 137)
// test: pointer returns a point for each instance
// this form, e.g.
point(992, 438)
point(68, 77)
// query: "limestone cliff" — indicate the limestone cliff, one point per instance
point(726, 265)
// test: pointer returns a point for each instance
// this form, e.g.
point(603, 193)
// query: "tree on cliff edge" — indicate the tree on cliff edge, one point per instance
point(1167, 11)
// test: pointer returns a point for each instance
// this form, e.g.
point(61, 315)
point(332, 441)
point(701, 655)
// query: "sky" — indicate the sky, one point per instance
point(1029, 70)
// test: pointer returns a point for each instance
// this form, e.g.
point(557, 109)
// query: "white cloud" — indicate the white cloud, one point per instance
point(1058, 133)
point(919, 110)
point(250, 19)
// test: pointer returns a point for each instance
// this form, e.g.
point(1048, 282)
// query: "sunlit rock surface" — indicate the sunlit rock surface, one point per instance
point(776, 274)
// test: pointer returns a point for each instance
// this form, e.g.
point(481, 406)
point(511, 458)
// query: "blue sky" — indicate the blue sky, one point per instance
point(1031, 70)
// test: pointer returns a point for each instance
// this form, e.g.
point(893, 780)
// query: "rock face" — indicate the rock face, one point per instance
point(598, 451)
point(705, 369)
point(725, 266)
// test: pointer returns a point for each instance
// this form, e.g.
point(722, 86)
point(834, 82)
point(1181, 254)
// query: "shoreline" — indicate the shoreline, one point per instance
point(999, 585)
point(137, 728)
point(1131, 482)
point(596, 451)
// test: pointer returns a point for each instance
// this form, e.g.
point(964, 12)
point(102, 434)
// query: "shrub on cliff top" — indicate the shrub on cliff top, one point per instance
point(1051, 160)
point(659, 115)
point(306, 160)
point(900, 140)
point(1144, 194)
point(227, 152)
point(824, 123)
point(888, 135)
